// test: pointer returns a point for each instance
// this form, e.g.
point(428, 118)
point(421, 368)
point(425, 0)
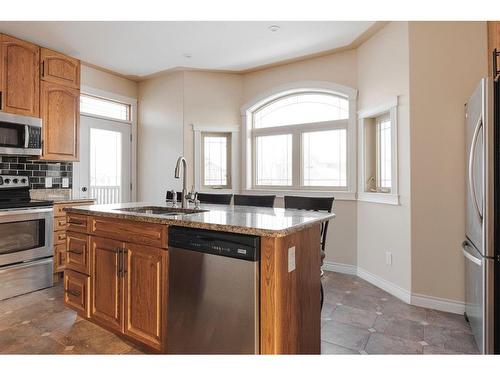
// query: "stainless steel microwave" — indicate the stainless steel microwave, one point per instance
point(20, 135)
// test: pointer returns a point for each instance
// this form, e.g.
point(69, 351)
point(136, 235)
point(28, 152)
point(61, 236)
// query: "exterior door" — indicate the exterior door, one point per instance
point(105, 161)
point(106, 282)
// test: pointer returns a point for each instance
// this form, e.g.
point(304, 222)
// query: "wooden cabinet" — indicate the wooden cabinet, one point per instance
point(128, 280)
point(59, 68)
point(145, 271)
point(76, 292)
point(60, 112)
point(20, 81)
point(106, 282)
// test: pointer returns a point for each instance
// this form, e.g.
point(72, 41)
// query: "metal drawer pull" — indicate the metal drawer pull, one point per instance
point(75, 293)
point(77, 221)
point(78, 252)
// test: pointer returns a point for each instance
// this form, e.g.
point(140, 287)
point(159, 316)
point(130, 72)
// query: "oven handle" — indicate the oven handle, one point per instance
point(26, 136)
point(27, 264)
point(26, 211)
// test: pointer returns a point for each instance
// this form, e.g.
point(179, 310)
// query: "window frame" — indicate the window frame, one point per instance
point(390, 108)
point(378, 122)
point(128, 120)
point(298, 188)
point(228, 136)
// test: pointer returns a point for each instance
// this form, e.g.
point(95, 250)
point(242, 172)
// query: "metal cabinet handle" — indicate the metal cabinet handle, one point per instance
point(43, 68)
point(469, 256)
point(124, 263)
point(75, 293)
point(1, 101)
point(471, 168)
point(120, 260)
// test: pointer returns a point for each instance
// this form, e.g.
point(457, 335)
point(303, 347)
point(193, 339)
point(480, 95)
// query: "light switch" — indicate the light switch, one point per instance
point(65, 182)
point(48, 182)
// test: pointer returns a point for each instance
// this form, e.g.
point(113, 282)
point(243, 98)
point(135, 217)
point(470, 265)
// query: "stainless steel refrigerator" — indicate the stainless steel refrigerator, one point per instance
point(480, 249)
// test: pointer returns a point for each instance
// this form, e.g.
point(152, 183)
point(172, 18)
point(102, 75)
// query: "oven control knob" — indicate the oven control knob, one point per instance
point(23, 180)
point(15, 180)
point(7, 181)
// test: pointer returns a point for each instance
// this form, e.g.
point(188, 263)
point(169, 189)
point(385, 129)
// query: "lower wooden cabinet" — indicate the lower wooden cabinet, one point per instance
point(106, 281)
point(145, 302)
point(76, 291)
point(128, 289)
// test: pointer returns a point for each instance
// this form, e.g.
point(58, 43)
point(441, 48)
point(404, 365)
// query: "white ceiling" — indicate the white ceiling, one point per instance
point(143, 48)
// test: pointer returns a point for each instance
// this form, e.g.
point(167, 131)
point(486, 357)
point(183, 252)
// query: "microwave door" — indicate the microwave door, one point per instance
point(474, 135)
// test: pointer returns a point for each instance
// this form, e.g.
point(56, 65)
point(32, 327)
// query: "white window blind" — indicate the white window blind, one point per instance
point(92, 105)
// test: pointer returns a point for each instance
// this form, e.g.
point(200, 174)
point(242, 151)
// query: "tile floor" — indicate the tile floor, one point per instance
point(357, 318)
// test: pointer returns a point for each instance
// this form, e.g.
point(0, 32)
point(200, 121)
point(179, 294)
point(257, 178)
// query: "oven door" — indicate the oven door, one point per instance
point(25, 234)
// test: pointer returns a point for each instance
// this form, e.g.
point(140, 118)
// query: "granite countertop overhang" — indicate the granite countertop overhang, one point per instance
point(259, 221)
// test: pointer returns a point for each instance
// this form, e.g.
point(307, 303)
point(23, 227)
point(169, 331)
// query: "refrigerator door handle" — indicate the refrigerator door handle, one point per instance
point(469, 256)
point(471, 168)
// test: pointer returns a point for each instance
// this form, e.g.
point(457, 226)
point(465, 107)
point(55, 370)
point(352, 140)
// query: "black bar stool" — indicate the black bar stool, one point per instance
point(314, 204)
point(254, 200)
point(215, 198)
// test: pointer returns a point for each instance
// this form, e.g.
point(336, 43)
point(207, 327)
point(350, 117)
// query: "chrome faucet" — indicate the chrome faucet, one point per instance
point(181, 162)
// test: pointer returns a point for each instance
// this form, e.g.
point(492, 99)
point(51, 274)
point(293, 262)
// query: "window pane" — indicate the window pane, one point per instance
point(324, 158)
point(274, 160)
point(102, 107)
point(105, 165)
point(384, 157)
point(301, 109)
point(215, 160)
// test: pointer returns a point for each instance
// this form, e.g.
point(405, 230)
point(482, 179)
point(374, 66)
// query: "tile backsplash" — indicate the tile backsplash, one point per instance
point(37, 171)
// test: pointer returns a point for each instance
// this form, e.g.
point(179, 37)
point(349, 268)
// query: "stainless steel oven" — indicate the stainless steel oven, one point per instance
point(26, 250)
point(20, 135)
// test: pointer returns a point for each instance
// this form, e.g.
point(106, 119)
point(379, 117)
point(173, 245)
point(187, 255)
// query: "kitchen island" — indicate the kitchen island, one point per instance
point(117, 269)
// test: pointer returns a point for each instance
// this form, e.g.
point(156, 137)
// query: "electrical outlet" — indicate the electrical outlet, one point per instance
point(65, 182)
point(48, 182)
point(388, 258)
point(291, 259)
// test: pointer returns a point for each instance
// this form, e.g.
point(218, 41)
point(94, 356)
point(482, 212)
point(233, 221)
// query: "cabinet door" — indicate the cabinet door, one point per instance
point(59, 68)
point(60, 109)
point(20, 82)
point(145, 294)
point(106, 282)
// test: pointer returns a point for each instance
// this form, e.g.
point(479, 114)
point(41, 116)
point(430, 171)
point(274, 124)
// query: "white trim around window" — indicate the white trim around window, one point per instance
point(390, 108)
point(198, 129)
point(248, 133)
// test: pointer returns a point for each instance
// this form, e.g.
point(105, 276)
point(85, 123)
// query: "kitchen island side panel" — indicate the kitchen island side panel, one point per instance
point(290, 297)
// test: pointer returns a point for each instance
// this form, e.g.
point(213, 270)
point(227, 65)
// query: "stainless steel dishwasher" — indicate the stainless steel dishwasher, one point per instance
point(213, 304)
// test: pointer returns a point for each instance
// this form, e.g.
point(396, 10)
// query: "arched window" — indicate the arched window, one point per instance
point(299, 140)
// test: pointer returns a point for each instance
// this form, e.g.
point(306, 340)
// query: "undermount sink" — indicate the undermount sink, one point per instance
point(156, 210)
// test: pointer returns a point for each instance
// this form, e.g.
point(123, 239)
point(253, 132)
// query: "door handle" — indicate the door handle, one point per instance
point(471, 168)
point(469, 256)
point(84, 189)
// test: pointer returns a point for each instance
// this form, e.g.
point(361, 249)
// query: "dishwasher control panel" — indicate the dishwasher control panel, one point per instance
point(233, 245)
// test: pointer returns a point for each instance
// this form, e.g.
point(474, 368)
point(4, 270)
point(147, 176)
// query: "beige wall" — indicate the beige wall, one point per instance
point(383, 73)
point(160, 135)
point(105, 81)
point(447, 60)
point(210, 99)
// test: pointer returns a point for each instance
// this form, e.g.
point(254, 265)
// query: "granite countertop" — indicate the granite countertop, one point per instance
point(71, 200)
point(62, 196)
point(271, 222)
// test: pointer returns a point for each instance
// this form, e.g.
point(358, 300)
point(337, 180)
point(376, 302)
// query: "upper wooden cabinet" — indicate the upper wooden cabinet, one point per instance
point(60, 110)
point(19, 82)
point(59, 68)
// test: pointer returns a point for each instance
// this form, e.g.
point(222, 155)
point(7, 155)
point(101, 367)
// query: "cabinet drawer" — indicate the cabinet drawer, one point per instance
point(60, 223)
point(129, 231)
point(59, 257)
point(77, 252)
point(59, 207)
point(77, 223)
point(60, 237)
point(76, 292)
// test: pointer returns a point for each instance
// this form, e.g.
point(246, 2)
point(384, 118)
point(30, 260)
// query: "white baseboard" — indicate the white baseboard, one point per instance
point(348, 269)
point(429, 302)
point(437, 303)
point(391, 288)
